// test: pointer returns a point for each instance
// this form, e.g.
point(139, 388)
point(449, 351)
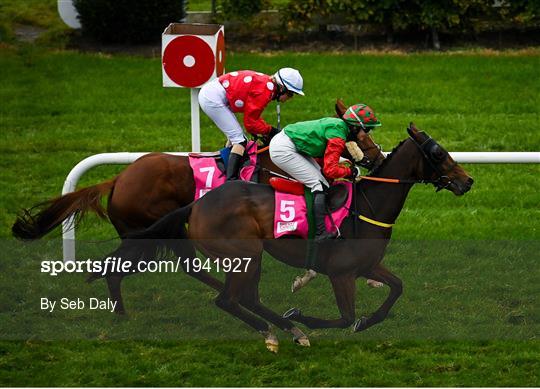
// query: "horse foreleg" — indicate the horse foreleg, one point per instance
point(301, 281)
point(115, 291)
point(381, 274)
point(344, 290)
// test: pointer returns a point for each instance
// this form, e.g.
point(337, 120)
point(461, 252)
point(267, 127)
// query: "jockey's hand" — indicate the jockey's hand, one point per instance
point(273, 131)
point(355, 172)
point(268, 137)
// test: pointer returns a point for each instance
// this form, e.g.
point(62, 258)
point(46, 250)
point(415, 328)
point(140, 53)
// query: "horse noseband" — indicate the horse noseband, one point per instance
point(442, 181)
point(366, 162)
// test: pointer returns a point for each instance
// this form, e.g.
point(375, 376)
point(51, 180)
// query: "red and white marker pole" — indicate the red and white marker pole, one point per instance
point(195, 121)
point(192, 55)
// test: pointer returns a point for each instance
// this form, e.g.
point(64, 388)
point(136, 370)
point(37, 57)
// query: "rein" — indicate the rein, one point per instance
point(441, 182)
point(397, 180)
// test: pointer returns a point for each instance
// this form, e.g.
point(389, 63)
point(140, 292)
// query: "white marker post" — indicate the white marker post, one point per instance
point(195, 121)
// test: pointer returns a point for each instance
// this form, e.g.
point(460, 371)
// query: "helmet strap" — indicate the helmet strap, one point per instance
point(280, 91)
point(278, 111)
point(280, 78)
point(360, 122)
point(353, 132)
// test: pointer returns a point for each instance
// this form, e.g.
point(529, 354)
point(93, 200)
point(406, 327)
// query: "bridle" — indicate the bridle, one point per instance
point(442, 181)
point(368, 163)
point(427, 149)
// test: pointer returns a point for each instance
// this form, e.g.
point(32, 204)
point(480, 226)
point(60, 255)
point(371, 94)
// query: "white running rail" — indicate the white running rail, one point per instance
point(68, 230)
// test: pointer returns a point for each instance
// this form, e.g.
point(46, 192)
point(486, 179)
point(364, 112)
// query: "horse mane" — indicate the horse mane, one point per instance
point(387, 159)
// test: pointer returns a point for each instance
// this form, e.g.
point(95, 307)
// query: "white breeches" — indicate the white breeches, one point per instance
point(213, 101)
point(301, 167)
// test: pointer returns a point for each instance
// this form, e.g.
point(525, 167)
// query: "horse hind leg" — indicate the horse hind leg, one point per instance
point(251, 300)
point(114, 280)
point(202, 276)
point(229, 303)
point(239, 291)
point(115, 291)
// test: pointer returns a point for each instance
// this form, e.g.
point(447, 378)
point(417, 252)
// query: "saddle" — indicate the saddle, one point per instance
point(206, 154)
point(336, 195)
point(209, 169)
point(222, 158)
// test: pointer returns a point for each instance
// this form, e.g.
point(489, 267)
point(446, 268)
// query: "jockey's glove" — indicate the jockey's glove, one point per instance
point(355, 172)
point(273, 131)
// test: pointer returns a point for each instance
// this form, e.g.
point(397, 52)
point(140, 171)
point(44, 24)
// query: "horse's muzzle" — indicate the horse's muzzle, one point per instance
point(459, 188)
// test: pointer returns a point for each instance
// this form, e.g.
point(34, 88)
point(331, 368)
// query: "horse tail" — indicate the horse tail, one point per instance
point(168, 233)
point(35, 222)
point(170, 226)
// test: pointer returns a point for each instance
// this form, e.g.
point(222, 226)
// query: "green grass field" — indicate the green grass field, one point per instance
point(469, 314)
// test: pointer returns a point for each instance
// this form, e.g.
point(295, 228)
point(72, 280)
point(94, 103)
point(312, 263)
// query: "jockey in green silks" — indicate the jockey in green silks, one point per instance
point(295, 148)
point(294, 151)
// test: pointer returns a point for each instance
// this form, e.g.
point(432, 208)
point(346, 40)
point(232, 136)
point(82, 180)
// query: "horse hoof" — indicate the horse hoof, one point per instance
point(361, 324)
point(120, 311)
point(297, 284)
point(271, 346)
point(272, 342)
point(292, 314)
point(302, 341)
point(374, 284)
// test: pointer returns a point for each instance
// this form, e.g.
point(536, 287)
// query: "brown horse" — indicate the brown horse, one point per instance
point(221, 229)
point(149, 188)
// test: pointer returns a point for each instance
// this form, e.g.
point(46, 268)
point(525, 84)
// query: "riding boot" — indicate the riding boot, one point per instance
point(233, 166)
point(319, 210)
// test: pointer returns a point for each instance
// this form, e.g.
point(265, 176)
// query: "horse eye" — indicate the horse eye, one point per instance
point(437, 153)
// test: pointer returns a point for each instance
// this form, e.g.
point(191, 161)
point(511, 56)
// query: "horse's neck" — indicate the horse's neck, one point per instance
point(386, 199)
point(266, 163)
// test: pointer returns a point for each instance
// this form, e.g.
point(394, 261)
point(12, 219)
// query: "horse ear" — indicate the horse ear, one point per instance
point(340, 107)
point(412, 130)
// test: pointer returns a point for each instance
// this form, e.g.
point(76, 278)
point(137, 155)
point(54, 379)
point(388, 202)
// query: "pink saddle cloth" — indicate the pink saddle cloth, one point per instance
point(207, 175)
point(290, 215)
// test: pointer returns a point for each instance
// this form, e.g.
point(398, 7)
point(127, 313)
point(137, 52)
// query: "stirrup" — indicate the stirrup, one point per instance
point(325, 236)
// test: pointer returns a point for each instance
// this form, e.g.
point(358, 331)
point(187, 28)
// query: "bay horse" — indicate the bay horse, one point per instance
point(144, 191)
point(219, 228)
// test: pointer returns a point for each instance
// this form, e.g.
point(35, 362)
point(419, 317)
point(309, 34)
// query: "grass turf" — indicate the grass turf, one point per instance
point(59, 107)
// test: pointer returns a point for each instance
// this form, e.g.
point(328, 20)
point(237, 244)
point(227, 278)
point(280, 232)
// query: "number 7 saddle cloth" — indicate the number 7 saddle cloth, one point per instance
point(293, 207)
point(208, 175)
